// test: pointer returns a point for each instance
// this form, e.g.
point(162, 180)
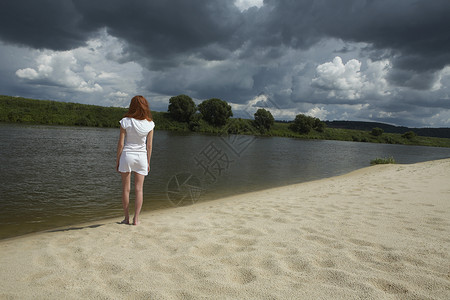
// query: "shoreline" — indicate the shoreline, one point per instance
point(378, 232)
point(279, 130)
point(162, 208)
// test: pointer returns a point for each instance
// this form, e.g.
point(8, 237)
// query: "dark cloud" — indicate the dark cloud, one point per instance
point(209, 48)
point(166, 32)
point(156, 30)
point(42, 24)
point(411, 78)
point(415, 32)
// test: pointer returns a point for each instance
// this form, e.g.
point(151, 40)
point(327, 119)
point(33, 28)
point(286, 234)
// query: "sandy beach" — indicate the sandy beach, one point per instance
point(382, 232)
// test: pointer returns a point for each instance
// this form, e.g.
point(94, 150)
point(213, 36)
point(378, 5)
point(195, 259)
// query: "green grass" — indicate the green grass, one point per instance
point(22, 110)
point(281, 129)
point(30, 111)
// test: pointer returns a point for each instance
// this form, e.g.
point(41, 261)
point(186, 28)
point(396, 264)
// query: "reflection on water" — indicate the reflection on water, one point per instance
point(57, 176)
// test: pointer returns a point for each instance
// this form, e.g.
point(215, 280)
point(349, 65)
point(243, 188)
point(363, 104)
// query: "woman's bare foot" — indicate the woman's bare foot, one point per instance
point(125, 221)
point(135, 222)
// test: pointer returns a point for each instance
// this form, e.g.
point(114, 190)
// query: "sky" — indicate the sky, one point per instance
point(360, 60)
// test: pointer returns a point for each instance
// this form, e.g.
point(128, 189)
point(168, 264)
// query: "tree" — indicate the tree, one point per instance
point(215, 111)
point(194, 122)
point(263, 119)
point(409, 135)
point(304, 124)
point(377, 131)
point(319, 125)
point(182, 108)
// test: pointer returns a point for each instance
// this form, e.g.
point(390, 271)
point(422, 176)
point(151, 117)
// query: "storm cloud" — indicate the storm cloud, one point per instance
point(377, 60)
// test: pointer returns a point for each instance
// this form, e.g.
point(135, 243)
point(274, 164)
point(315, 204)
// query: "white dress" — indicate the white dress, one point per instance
point(134, 153)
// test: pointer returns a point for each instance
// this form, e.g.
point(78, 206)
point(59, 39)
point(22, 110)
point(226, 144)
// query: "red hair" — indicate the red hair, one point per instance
point(139, 109)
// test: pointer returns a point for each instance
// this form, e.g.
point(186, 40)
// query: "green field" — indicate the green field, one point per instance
point(30, 111)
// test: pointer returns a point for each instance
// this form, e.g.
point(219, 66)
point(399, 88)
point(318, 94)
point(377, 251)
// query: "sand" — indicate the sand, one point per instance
point(382, 232)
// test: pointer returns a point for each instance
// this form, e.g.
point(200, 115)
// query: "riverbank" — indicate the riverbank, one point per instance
point(377, 233)
point(45, 112)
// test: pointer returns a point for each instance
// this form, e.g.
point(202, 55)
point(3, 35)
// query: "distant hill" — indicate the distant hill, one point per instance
point(367, 126)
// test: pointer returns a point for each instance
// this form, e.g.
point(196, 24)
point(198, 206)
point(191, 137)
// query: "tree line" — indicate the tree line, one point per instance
point(211, 116)
point(443, 132)
point(217, 112)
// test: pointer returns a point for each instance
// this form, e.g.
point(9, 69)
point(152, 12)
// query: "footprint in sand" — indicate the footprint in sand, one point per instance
point(327, 263)
point(280, 220)
point(325, 241)
point(360, 242)
point(297, 264)
point(242, 276)
point(209, 250)
point(390, 287)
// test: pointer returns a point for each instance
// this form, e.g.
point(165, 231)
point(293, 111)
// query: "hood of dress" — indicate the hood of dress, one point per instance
point(143, 127)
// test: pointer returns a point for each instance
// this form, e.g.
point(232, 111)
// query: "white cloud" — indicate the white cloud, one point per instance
point(443, 74)
point(107, 75)
point(384, 114)
point(262, 101)
point(440, 119)
point(317, 112)
point(375, 75)
point(62, 69)
point(246, 4)
point(118, 99)
point(27, 73)
point(297, 81)
point(96, 70)
point(341, 81)
point(119, 95)
point(349, 81)
point(85, 87)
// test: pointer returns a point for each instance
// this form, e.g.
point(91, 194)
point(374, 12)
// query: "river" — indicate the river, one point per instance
point(53, 176)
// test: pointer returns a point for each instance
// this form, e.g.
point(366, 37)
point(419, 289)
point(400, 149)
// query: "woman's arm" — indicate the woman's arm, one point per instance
point(149, 148)
point(120, 145)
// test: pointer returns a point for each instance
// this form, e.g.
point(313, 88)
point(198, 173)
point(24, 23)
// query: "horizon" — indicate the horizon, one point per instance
point(234, 117)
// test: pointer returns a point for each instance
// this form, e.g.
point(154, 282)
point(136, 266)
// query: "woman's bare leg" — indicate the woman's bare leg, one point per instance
point(126, 182)
point(139, 193)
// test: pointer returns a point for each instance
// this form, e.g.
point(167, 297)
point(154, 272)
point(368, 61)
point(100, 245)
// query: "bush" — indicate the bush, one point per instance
point(215, 111)
point(263, 120)
point(182, 108)
point(386, 160)
point(319, 125)
point(194, 122)
point(409, 135)
point(240, 126)
point(377, 131)
point(304, 124)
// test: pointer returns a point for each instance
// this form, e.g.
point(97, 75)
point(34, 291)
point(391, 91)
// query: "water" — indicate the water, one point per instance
point(59, 176)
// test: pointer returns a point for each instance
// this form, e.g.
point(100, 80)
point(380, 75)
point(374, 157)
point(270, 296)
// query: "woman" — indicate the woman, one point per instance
point(134, 151)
